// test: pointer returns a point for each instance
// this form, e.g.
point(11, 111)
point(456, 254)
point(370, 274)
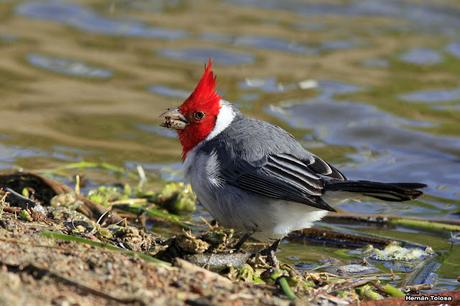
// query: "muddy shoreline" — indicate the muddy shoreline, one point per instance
point(61, 247)
point(41, 271)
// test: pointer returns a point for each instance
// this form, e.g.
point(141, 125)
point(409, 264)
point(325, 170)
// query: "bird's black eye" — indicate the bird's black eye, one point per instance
point(198, 115)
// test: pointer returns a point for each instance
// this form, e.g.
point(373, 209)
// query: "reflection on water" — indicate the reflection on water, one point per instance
point(271, 43)
point(421, 56)
point(68, 67)
point(376, 63)
point(157, 130)
point(432, 96)
point(340, 44)
point(9, 154)
point(200, 55)
point(87, 20)
point(331, 88)
point(371, 85)
point(266, 85)
point(454, 49)
point(168, 91)
point(423, 13)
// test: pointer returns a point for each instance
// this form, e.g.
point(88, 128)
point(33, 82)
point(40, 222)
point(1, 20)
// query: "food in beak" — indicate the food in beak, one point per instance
point(173, 119)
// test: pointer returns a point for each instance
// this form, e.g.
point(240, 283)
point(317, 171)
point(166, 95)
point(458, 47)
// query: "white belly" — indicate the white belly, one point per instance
point(232, 207)
point(267, 218)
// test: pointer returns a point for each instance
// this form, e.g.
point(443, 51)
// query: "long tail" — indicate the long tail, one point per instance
point(394, 192)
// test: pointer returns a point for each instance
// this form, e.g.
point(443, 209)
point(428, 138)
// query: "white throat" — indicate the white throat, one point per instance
point(224, 118)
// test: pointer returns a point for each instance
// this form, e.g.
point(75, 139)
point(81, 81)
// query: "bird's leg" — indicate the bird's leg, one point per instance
point(242, 240)
point(270, 252)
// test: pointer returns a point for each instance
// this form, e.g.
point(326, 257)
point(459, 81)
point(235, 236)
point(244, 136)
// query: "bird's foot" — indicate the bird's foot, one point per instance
point(270, 253)
point(243, 239)
point(272, 260)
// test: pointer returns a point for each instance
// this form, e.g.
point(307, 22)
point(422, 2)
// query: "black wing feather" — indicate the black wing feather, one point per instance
point(285, 177)
point(324, 168)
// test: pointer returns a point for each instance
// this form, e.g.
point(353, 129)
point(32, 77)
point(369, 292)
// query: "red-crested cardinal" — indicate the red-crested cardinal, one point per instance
point(255, 177)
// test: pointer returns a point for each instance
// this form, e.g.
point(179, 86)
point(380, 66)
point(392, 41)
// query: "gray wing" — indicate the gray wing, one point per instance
point(264, 159)
point(285, 177)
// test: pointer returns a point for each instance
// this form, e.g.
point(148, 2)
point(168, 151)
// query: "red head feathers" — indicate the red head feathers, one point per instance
point(201, 110)
point(205, 91)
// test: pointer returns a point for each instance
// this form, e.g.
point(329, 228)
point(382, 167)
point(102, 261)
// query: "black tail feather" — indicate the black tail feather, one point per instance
point(393, 192)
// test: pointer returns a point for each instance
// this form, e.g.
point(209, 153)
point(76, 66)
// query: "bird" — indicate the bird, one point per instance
point(254, 176)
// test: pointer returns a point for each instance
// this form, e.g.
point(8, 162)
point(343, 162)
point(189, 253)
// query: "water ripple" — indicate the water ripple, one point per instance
point(271, 43)
point(375, 63)
point(157, 130)
point(454, 49)
point(261, 43)
point(331, 45)
point(68, 66)
point(269, 85)
point(169, 92)
point(330, 88)
point(431, 17)
point(429, 96)
point(201, 55)
point(421, 56)
point(87, 20)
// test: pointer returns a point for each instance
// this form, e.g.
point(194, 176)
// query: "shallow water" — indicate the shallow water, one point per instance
point(373, 86)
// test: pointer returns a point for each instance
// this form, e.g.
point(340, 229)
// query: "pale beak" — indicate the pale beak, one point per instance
point(173, 119)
